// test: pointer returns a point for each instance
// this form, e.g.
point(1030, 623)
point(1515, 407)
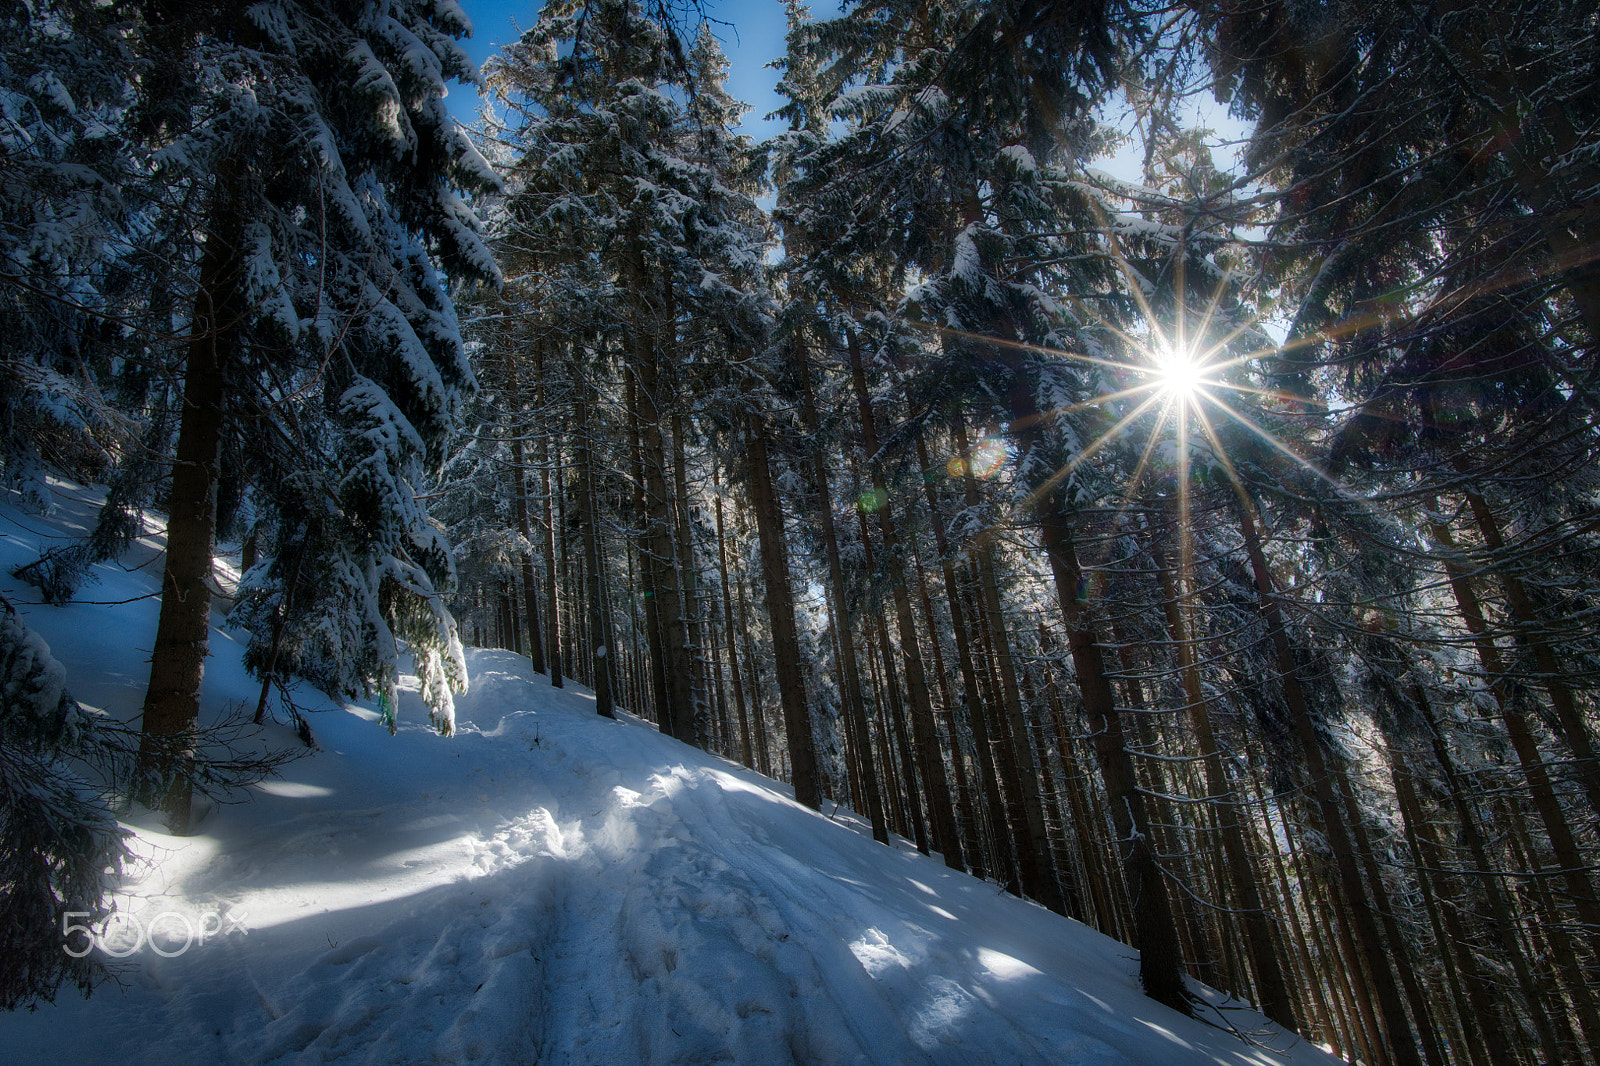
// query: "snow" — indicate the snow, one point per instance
point(1020, 159)
point(552, 886)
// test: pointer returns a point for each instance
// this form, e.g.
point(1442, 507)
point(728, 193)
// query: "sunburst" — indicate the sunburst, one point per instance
point(1179, 370)
point(1180, 379)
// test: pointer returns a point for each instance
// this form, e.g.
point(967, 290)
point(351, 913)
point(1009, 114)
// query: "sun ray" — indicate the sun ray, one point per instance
point(1087, 451)
point(1005, 342)
point(1152, 440)
point(1150, 444)
point(1272, 442)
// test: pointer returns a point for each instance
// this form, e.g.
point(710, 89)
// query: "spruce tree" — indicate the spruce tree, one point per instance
point(328, 176)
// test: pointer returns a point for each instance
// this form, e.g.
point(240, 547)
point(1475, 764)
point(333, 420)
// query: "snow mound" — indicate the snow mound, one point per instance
point(550, 886)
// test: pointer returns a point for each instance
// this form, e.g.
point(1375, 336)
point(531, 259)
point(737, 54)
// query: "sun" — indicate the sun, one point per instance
point(1179, 370)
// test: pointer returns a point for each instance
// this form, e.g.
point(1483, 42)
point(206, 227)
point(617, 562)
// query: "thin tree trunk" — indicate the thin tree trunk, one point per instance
point(1022, 775)
point(548, 457)
point(280, 620)
point(1276, 1001)
point(1455, 950)
point(1530, 633)
point(986, 747)
point(655, 645)
point(895, 809)
point(689, 571)
point(1501, 920)
point(733, 651)
point(1300, 940)
point(899, 744)
point(1155, 929)
point(758, 713)
point(929, 752)
point(963, 643)
point(659, 544)
point(1080, 843)
point(1381, 905)
point(1563, 842)
point(780, 612)
point(850, 667)
point(599, 623)
point(519, 496)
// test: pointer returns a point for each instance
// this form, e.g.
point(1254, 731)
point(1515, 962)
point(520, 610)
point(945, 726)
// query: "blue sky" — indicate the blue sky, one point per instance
point(751, 33)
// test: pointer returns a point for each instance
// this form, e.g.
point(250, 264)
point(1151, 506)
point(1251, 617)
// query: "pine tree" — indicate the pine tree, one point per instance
point(328, 208)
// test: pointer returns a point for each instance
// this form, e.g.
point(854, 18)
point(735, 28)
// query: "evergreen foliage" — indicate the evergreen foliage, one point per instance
point(61, 849)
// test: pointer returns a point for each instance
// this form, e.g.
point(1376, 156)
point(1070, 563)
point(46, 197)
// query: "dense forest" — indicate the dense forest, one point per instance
point(1212, 558)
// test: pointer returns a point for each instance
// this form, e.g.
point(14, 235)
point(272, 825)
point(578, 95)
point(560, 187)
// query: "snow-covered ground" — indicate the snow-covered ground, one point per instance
point(549, 886)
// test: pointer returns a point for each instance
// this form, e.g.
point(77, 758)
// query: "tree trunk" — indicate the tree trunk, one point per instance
point(519, 496)
point(551, 482)
point(969, 680)
point(747, 756)
point(780, 612)
point(929, 752)
point(850, 667)
point(1530, 633)
point(1276, 1001)
point(604, 651)
point(688, 578)
point(660, 553)
point(655, 645)
point(1022, 774)
point(1155, 929)
point(1563, 842)
point(758, 713)
point(183, 631)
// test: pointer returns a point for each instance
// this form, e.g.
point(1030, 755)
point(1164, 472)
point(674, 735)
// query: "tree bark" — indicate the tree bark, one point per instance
point(603, 649)
point(183, 630)
point(780, 613)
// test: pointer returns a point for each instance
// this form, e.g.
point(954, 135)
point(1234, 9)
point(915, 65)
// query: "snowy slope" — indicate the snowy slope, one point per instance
point(549, 886)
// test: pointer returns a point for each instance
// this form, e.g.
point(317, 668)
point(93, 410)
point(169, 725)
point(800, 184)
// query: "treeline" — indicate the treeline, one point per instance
point(1209, 558)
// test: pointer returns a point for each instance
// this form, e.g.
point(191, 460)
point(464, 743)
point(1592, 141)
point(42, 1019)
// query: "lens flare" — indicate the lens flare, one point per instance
point(872, 499)
point(986, 457)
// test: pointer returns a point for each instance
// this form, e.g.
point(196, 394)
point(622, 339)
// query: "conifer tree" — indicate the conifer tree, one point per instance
point(327, 175)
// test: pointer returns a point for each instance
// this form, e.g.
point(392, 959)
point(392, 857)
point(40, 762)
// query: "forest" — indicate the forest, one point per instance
point(1212, 558)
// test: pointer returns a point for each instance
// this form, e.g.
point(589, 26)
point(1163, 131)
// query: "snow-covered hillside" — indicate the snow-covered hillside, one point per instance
point(550, 886)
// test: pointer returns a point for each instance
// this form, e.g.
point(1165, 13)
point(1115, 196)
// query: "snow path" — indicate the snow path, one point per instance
point(552, 887)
